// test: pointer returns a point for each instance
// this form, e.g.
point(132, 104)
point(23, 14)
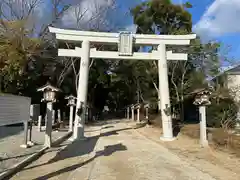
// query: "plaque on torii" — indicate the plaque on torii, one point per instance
point(125, 44)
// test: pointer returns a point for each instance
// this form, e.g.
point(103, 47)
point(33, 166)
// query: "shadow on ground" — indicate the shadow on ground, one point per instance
point(78, 149)
point(6, 131)
point(108, 151)
point(103, 122)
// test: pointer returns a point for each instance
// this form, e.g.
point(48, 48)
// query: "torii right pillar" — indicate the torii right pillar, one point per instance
point(164, 95)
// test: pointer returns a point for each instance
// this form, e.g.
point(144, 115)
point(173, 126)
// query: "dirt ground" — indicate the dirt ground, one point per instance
point(218, 138)
point(219, 164)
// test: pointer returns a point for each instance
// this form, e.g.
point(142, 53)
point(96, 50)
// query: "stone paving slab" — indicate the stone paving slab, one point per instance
point(11, 153)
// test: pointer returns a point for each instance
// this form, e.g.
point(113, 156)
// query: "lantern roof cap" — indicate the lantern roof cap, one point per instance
point(70, 97)
point(146, 102)
point(48, 86)
point(200, 91)
point(137, 104)
point(146, 105)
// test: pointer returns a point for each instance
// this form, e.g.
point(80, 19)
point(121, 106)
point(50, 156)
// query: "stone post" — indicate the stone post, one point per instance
point(48, 133)
point(132, 108)
point(59, 115)
point(30, 143)
point(146, 106)
point(138, 113)
point(25, 138)
point(71, 119)
point(39, 123)
point(203, 126)
point(147, 113)
point(53, 116)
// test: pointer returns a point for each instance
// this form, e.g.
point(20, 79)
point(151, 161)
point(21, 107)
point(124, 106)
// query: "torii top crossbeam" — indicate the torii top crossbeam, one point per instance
point(112, 38)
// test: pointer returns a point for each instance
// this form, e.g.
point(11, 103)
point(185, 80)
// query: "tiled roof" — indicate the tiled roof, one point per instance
point(229, 70)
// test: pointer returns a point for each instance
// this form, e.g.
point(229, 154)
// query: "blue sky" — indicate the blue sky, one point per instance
point(212, 11)
point(201, 11)
point(212, 20)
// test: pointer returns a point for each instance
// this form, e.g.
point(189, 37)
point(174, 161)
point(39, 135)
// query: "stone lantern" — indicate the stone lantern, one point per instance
point(146, 106)
point(71, 103)
point(138, 106)
point(132, 109)
point(49, 96)
point(202, 100)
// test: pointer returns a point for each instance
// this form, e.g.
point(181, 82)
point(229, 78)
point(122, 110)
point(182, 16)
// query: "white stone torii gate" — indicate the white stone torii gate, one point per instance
point(125, 52)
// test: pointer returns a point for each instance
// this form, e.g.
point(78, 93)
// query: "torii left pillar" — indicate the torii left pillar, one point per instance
point(78, 132)
point(164, 94)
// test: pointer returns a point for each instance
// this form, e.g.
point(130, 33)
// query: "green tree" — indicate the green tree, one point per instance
point(161, 17)
point(17, 49)
point(164, 17)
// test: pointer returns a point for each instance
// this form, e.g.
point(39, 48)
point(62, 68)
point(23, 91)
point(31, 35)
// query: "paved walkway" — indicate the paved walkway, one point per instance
point(11, 137)
point(112, 151)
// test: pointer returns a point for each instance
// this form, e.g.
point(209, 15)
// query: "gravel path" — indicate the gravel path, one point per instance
point(112, 151)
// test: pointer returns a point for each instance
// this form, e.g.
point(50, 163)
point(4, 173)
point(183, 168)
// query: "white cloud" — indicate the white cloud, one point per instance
point(221, 17)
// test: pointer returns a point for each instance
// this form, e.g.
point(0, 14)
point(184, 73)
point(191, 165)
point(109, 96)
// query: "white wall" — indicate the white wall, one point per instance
point(233, 84)
point(14, 109)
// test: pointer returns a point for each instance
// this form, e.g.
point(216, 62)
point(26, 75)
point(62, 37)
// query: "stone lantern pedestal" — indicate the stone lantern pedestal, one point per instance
point(49, 96)
point(202, 100)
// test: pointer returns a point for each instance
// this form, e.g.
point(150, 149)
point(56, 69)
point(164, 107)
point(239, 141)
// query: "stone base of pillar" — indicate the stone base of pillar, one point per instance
point(149, 126)
point(71, 139)
point(78, 132)
point(24, 146)
point(81, 139)
point(140, 122)
point(167, 138)
point(78, 139)
point(30, 143)
point(204, 144)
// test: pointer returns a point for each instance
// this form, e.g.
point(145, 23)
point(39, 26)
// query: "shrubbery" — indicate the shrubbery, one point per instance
point(222, 112)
